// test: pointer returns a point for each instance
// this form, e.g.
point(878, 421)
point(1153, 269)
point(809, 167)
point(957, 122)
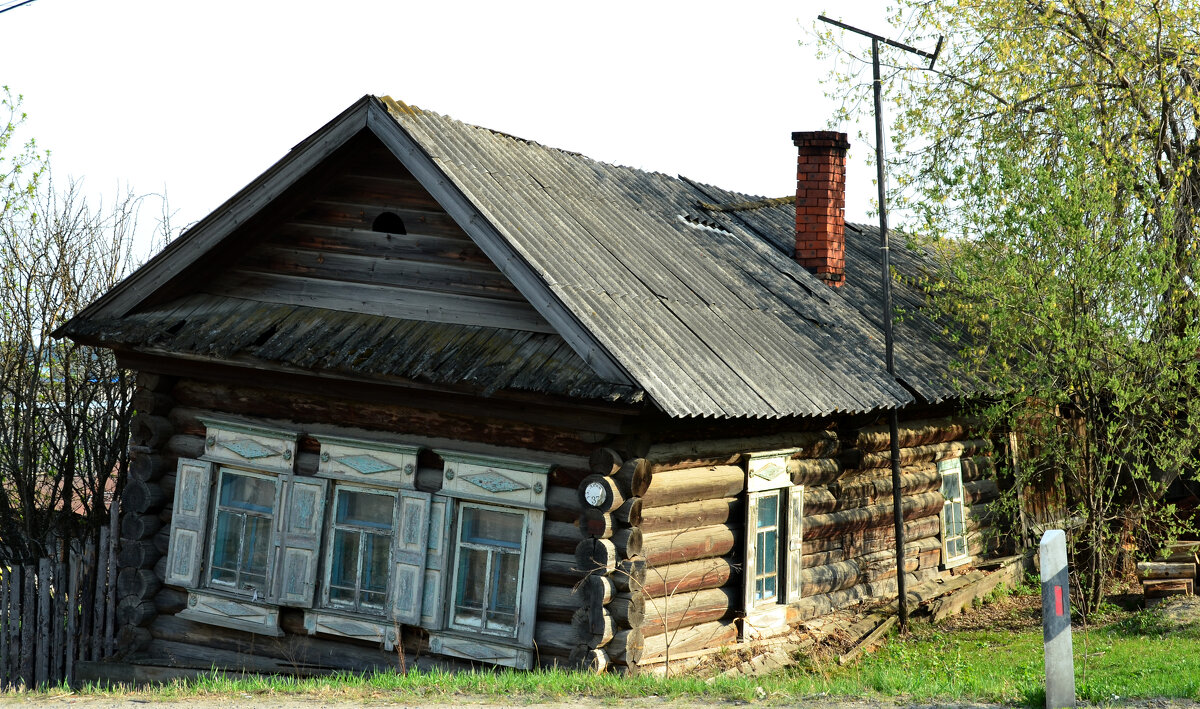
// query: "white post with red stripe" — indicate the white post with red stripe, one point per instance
point(1056, 621)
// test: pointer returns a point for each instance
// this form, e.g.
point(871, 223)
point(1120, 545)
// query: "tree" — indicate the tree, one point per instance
point(64, 407)
point(1052, 157)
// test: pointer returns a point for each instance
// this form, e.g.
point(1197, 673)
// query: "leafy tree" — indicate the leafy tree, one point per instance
point(1053, 157)
point(63, 407)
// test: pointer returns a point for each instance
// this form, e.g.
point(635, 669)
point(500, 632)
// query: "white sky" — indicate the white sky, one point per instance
point(198, 98)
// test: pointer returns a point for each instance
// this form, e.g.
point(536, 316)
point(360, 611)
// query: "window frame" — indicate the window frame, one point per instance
point(767, 477)
point(209, 580)
point(953, 467)
point(492, 549)
point(330, 527)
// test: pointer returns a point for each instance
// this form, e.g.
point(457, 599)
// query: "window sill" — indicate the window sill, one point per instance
point(372, 629)
point(767, 620)
point(954, 563)
point(472, 647)
point(226, 612)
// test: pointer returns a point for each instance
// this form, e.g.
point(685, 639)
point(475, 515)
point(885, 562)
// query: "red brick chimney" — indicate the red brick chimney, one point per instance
point(821, 204)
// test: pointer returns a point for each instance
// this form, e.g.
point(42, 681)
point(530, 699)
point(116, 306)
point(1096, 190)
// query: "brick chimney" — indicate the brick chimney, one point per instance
point(821, 204)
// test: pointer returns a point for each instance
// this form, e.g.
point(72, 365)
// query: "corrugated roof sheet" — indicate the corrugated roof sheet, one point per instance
point(484, 358)
point(710, 321)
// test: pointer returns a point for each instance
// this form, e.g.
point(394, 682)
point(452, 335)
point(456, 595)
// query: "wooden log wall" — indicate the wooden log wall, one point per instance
point(849, 538)
point(145, 607)
point(665, 533)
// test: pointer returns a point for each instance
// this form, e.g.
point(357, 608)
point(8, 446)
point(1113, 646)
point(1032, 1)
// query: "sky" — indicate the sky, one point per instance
point(196, 99)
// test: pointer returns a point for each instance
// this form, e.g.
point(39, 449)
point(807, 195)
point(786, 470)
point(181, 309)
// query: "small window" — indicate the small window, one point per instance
point(487, 580)
point(245, 518)
point(389, 223)
point(766, 560)
point(359, 549)
point(954, 531)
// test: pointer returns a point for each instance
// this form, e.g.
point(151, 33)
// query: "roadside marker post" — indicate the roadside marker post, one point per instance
point(1056, 621)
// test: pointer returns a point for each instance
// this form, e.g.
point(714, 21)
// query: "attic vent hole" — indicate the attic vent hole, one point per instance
point(389, 223)
point(266, 335)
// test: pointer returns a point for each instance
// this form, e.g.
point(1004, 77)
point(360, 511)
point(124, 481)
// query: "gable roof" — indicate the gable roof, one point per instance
point(702, 309)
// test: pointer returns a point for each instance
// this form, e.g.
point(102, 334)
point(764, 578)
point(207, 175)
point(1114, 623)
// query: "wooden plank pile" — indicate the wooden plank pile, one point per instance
point(1174, 574)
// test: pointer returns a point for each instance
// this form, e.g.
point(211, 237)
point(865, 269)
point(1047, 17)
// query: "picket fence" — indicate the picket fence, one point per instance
point(57, 613)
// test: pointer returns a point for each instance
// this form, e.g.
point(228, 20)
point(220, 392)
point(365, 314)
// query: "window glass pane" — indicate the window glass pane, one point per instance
point(768, 552)
point(481, 526)
point(769, 590)
point(225, 547)
point(375, 562)
point(472, 586)
point(247, 493)
point(257, 545)
point(768, 511)
point(503, 605)
point(952, 486)
point(365, 509)
point(343, 562)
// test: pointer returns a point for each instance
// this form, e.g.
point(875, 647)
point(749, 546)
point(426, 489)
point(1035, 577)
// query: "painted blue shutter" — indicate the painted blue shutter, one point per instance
point(189, 523)
point(437, 562)
point(795, 541)
point(409, 546)
point(303, 519)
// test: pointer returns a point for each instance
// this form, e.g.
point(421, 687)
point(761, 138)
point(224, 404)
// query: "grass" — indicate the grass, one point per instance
point(993, 656)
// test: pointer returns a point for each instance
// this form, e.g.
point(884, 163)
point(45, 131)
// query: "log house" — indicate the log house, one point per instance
point(423, 387)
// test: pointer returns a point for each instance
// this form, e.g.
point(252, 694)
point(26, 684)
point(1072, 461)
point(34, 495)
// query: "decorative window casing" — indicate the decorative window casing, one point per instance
point(248, 536)
point(954, 530)
point(488, 562)
point(774, 542)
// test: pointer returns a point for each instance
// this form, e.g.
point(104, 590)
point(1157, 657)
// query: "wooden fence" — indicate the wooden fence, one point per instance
point(56, 613)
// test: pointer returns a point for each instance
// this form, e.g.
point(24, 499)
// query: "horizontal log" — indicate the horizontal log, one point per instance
point(560, 537)
point(596, 556)
point(138, 554)
point(562, 503)
point(141, 497)
point(162, 539)
point(813, 444)
point(705, 636)
point(149, 431)
point(930, 453)
point(682, 577)
point(666, 548)
point(135, 526)
point(634, 477)
point(1165, 570)
point(702, 513)
point(148, 401)
point(560, 569)
point(692, 484)
point(821, 558)
point(131, 638)
point(142, 583)
point(833, 523)
point(978, 467)
point(681, 610)
point(628, 610)
point(160, 569)
point(601, 493)
point(919, 477)
point(154, 382)
point(558, 603)
point(169, 601)
point(630, 513)
point(587, 659)
point(604, 461)
point(814, 471)
point(625, 646)
point(556, 638)
point(597, 590)
point(628, 542)
point(696, 462)
point(186, 446)
point(147, 465)
point(979, 491)
point(134, 610)
point(594, 523)
point(916, 433)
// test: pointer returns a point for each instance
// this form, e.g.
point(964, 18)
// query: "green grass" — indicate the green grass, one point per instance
point(1134, 656)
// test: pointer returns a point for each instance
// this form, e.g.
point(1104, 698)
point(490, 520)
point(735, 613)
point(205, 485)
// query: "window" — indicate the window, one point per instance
point(359, 550)
point(774, 515)
point(487, 580)
point(954, 531)
point(245, 518)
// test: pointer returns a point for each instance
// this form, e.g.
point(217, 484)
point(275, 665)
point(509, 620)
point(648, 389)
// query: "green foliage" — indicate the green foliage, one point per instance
point(1052, 158)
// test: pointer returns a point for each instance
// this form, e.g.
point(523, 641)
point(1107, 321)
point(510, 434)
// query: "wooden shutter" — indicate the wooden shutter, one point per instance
point(748, 569)
point(303, 518)
point(437, 561)
point(795, 541)
point(189, 522)
point(409, 547)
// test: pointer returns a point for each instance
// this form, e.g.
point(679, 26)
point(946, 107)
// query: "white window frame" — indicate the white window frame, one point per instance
point(767, 476)
point(331, 526)
point(452, 599)
point(953, 467)
point(269, 573)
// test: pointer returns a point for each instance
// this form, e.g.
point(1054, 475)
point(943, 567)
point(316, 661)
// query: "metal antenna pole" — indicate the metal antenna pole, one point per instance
point(885, 253)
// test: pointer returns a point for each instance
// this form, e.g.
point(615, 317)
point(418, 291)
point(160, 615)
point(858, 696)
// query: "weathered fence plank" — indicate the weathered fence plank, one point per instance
point(28, 621)
point(44, 609)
